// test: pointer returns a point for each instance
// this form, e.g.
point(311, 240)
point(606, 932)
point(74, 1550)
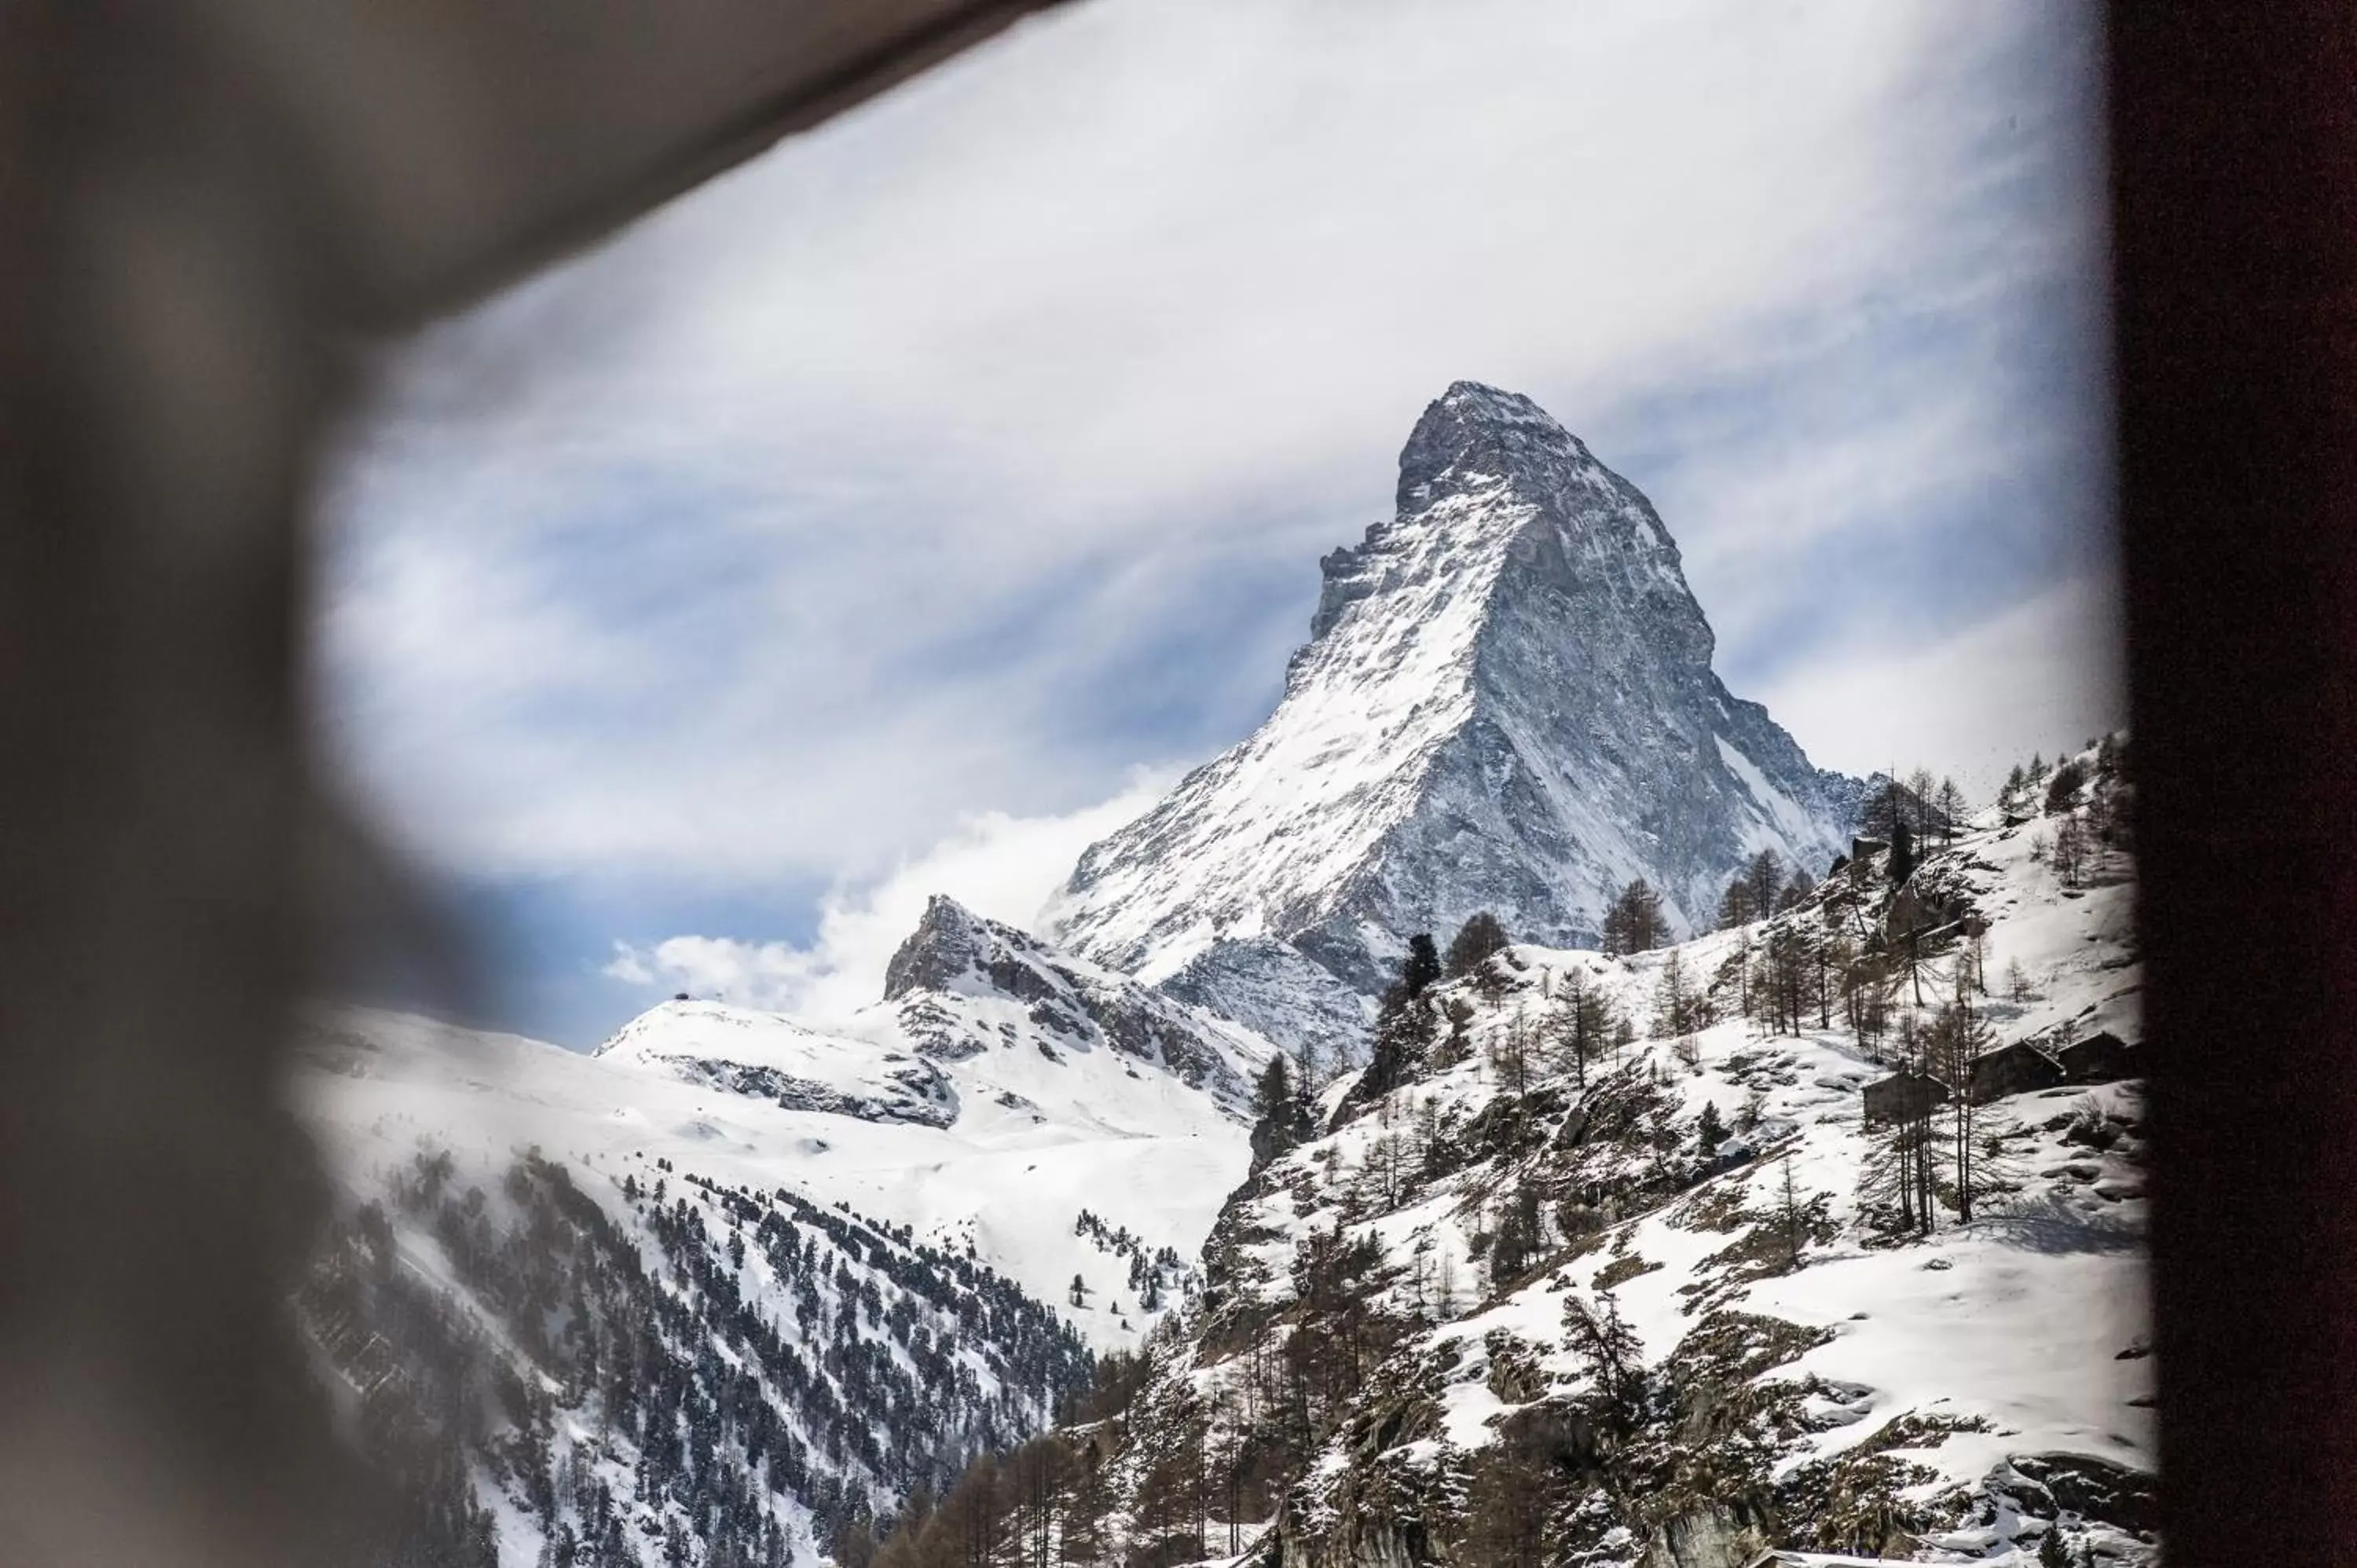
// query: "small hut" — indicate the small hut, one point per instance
point(2017, 1068)
point(1904, 1096)
point(2101, 1058)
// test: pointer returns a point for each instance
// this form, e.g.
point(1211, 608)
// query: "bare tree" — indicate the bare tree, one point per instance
point(2070, 852)
point(1679, 1009)
point(1954, 1041)
point(1764, 876)
point(1791, 1218)
point(1634, 923)
point(1920, 790)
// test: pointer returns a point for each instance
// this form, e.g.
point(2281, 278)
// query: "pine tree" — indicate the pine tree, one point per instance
point(1709, 1131)
point(1517, 1238)
point(1480, 939)
point(1885, 810)
point(1952, 806)
point(1405, 1031)
point(1421, 965)
point(2062, 789)
point(1274, 1092)
point(1609, 1347)
point(1902, 853)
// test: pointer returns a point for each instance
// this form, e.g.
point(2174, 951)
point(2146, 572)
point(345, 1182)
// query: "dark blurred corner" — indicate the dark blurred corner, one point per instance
point(210, 210)
point(2234, 222)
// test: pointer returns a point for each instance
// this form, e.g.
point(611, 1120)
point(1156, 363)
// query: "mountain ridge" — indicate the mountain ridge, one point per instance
point(1641, 1260)
point(1506, 702)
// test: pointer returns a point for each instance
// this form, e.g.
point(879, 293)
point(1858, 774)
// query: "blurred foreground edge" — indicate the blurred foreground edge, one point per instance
point(203, 206)
point(2234, 232)
point(206, 207)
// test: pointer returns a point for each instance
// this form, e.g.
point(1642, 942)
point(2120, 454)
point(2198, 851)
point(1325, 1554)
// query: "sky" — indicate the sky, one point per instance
point(899, 512)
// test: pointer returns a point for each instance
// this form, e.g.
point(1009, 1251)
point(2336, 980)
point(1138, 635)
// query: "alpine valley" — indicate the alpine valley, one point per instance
point(1512, 1109)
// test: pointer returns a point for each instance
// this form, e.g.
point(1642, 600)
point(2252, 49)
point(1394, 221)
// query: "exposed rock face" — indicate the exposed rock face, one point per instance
point(963, 985)
point(1506, 703)
point(1273, 989)
point(919, 1092)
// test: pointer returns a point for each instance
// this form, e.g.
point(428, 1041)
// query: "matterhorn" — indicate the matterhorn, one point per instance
point(1506, 703)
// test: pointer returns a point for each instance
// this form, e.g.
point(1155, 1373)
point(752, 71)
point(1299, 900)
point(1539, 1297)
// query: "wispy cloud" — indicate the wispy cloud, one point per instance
point(2042, 675)
point(997, 866)
point(969, 454)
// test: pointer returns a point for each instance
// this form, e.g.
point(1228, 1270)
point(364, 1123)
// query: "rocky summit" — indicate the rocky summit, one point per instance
point(1506, 703)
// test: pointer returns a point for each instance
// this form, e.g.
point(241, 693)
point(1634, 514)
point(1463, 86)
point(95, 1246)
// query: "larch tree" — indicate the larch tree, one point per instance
point(1765, 876)
point(1920, 790)
point(1958, 1036)
point(1953, 807)
point(1791, 1217)
point(1678, 1008)
point(1736, 906)
point(1580, 1026)
point(1634, 924)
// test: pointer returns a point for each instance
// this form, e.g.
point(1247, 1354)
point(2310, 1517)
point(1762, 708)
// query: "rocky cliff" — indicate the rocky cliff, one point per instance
point(1506, 703)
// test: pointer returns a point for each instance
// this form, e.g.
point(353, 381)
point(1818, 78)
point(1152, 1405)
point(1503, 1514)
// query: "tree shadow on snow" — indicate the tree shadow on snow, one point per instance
point(2049, 1224)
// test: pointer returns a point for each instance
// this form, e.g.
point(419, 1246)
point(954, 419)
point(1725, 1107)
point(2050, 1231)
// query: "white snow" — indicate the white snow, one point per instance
point(2011, 1329)
point(1034, 1143)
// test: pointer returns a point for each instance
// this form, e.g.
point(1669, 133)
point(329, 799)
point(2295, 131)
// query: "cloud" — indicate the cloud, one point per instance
point(1001, 866)
point(977, 449)
point(2042, 675)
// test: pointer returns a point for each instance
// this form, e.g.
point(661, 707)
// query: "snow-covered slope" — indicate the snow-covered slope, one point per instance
point(876, 1230)
point(1032, 1144)
point(962, 986)
point(770, 1056)
point(1523, 1308)
point(1506, 703)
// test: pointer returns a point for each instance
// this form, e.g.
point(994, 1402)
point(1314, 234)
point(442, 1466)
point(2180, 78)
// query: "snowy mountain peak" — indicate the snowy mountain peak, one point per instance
point(1474, 428)
point(1506, 702)
point(954, 949)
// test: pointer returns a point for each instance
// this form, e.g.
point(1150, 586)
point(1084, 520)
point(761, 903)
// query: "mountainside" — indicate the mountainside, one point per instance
point(962, 985)
point(1818, 1234)
point(1506, 703)
point(1664, 1295)
point(734, 1283)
